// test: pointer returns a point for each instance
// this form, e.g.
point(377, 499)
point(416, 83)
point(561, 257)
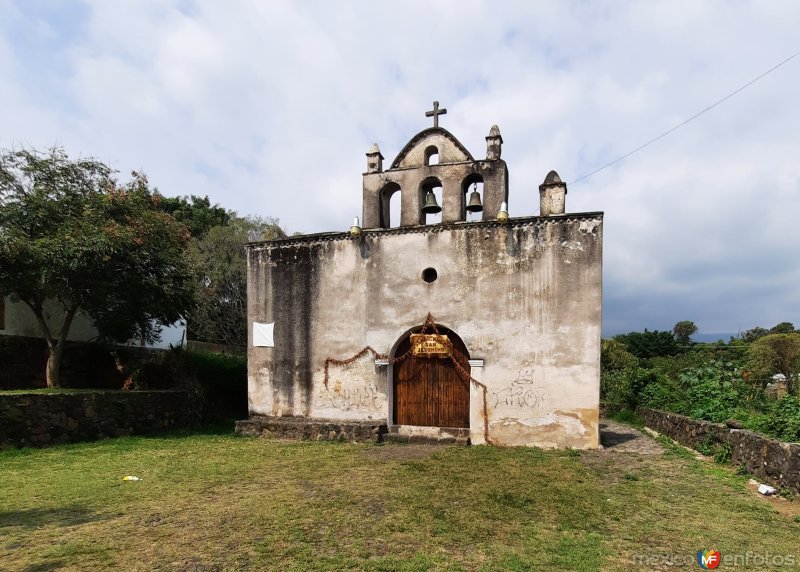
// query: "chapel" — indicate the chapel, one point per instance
point(453, 321)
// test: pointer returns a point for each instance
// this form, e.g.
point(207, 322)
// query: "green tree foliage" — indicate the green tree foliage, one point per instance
point(707, 392)
point(197, 213)
point(624, 387)
point(614, 356)
point(649, 344)
point(782, 328)
point(775, 353)
point(751, 335)
point(70, 233)
point(219, 266)
point(683, 332)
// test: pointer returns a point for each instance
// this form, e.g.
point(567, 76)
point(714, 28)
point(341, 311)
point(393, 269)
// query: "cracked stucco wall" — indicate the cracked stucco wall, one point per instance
point(525, 297)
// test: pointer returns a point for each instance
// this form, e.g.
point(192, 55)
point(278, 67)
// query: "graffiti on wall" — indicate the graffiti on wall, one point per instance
point(364, 397)
point(522, 392)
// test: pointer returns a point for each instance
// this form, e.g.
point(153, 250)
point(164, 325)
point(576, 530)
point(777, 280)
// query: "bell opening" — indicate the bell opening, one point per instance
point(473, 200)
point(432, 204)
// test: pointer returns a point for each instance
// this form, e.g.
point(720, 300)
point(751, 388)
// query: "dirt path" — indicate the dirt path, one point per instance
point(615, 438)
point(620, 438)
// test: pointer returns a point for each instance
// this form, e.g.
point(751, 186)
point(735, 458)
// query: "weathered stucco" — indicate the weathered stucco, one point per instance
point(455, 172)
point(525, 297)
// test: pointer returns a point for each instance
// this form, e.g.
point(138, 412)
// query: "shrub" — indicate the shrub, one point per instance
point(625, 387)
point(783, 419)
point(220, 380)
point(649, 344)
point(707, 392)
point(614, 356)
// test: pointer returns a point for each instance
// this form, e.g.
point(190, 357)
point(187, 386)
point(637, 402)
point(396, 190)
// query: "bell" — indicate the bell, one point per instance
point(474, 205)
point(431, 206)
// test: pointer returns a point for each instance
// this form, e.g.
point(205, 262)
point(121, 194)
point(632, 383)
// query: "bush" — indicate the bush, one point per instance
point(649, 344)
point(783, 419)
point(625, 387)
point(708, 392)
point(220, 380)
point(614, 356)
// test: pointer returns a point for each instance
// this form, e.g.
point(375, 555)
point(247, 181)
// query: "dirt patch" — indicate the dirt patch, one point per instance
point(625, 449)
point(639, 448)
point(620, 438)
point(786, 507)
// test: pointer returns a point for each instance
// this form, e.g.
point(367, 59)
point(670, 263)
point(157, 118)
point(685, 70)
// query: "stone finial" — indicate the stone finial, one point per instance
point(552, 177)
point(494, 143)
point(552, 195)
point(374, 159)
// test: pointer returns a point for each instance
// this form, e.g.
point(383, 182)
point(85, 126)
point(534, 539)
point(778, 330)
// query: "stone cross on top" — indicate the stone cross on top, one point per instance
point(435, 113)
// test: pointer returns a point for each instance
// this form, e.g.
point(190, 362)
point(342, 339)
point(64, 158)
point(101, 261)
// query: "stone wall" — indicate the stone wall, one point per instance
point(40, 419)
point(769, 459)
point(311, 429)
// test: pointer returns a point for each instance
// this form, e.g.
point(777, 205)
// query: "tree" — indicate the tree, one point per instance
point(219, 266)
point(614, 356)
point(683, 332)
point(775, 353)
point(69, 233)
point(649, 344)
point(782, 328)
point(753, 334)
point(197, 213)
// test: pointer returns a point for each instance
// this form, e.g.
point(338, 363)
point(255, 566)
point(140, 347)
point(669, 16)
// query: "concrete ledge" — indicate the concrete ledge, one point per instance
point(427, 435)
point(312, 429)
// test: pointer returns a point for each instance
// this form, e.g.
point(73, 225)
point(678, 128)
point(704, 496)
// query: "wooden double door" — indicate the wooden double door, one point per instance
point(430, 391)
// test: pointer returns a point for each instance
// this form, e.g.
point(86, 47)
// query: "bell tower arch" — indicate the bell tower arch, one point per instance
point(417, 163)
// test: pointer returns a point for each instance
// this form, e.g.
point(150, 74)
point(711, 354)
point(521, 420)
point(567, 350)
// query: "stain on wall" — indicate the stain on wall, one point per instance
point(524, 296)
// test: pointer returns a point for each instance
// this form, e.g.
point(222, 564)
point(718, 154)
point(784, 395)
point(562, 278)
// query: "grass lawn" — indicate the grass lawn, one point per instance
point(216, 501)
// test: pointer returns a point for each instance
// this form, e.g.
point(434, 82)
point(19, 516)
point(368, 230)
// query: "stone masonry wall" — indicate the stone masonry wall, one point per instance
point(39, 419)
point(769, 459)
point(311, 430)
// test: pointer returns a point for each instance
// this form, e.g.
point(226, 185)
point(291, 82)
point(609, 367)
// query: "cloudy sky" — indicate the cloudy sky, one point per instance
point(269, 107)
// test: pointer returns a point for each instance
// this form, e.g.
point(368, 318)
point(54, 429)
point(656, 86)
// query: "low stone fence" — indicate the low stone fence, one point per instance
point(769, 459)
point(41, 419)
point(305, 428)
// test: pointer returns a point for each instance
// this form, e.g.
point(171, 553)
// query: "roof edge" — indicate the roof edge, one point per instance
point(422, 135)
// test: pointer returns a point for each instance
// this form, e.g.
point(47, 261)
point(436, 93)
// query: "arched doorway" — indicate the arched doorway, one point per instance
point(430, 391)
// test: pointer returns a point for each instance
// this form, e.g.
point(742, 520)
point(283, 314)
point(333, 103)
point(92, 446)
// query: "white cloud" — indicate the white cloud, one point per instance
point(269, 108)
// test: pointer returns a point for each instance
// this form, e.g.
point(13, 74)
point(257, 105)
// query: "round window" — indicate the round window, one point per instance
point(429, 275)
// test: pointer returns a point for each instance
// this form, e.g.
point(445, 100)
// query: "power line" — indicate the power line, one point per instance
point(682, 123)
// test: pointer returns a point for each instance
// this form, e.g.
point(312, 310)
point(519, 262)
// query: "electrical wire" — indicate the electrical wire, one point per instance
point(682, 123)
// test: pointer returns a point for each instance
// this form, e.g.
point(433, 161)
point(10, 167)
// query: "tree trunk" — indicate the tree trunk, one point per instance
point(56, 346)
point(54, 365)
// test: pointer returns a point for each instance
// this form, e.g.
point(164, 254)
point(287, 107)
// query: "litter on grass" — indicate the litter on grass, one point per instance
point(131, 478)
point(767, 490)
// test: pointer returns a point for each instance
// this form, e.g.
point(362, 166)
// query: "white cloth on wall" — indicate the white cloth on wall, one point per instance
point(262, 335)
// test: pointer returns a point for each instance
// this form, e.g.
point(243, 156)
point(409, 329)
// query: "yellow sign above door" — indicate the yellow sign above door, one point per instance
point(431, 345)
